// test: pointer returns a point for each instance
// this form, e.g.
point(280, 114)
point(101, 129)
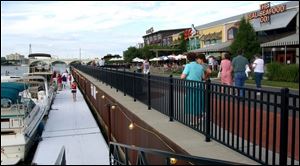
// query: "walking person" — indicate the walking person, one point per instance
point(194, 99)
point(64, 79)
point(239, 67)
point(70, 79)
point(74, 90)
point(258, 66)
point(226, 70)
point(146, 67)
point(59, 82)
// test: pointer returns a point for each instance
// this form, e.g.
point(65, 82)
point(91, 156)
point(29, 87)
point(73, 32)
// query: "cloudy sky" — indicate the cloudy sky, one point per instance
point(98, 28)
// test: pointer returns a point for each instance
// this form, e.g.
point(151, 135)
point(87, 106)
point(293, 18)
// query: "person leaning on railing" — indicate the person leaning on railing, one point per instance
point(193, 71)
point(200, 58)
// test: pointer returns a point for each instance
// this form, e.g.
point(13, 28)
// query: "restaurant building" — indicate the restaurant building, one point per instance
point(277, 28)
point(161, 38)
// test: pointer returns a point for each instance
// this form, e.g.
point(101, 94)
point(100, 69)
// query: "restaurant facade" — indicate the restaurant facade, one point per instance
point(277, 28)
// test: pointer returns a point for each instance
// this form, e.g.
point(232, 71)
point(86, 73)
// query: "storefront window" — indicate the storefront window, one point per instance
point(231, 33)
point(207, 42)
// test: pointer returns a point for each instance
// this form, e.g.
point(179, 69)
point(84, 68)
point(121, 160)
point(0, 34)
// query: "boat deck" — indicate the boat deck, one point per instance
point(72, 125)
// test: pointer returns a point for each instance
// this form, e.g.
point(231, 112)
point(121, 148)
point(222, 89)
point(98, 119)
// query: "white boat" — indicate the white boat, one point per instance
point(40, 90)
point(20, 118)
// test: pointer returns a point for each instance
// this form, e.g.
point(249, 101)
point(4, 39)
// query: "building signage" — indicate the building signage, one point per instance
point(151, 30)
point(187, 33)
point(266, 11)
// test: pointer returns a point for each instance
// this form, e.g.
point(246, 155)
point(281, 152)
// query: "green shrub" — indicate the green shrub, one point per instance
point(282, 72)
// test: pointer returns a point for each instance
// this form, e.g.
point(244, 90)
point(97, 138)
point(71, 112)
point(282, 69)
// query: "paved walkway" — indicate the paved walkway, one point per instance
point(185, 137)
point(72, 125)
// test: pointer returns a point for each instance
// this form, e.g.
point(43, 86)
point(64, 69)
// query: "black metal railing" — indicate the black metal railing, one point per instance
point(260, 124)
point(121, 154)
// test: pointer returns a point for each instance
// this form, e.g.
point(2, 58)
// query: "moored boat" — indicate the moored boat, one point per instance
point(20, 118)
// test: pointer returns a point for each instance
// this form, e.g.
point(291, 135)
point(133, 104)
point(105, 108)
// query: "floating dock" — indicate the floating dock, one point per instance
point(71, 128)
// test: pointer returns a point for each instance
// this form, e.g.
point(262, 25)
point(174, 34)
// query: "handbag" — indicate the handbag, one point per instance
point(219, 74)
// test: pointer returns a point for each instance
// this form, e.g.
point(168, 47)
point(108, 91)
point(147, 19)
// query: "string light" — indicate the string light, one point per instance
point(131, 126)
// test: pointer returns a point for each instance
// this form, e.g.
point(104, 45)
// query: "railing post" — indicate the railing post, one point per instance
point(134, 97)
point(284, 115)
point(149, 96)
point(110, 77)
point(207, 110)
point(117, 71)
point(171, 100)
point(124, 81)
point(109, 122)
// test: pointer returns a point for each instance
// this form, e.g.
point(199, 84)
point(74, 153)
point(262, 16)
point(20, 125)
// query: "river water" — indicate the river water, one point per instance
point(20, 70)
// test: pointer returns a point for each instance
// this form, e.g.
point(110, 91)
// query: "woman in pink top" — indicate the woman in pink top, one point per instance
point(226, 70)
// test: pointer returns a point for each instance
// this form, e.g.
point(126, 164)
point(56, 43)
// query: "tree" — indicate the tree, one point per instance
point(246, 40)
point(183, 44)
point(131, 53)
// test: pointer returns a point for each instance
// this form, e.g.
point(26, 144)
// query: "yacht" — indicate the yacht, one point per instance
point(20, 119)
point(40, 90)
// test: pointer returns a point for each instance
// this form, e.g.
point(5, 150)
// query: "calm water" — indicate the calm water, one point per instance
point(20, 70)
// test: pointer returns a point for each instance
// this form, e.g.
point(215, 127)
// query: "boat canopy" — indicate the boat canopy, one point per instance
point(11, 90)
point(14, 85)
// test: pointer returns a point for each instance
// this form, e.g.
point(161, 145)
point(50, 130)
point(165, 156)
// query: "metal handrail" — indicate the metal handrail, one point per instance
point(142, 153)
point(61, 158)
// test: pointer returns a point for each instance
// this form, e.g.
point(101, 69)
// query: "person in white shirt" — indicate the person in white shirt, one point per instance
point(258, 66)
point(146, 67)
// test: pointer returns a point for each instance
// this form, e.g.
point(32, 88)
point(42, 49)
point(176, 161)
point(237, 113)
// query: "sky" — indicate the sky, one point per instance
point(100, 28)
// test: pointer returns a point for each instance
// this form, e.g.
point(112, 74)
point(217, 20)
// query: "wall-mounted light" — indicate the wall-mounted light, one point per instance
point(102, 96)
point(131, 126)
point(173, 161)
point(113, 107)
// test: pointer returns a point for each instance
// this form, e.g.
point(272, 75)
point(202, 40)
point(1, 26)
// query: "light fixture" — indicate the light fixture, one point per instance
point(102, 96)
point(131, 126)
point(113, 107)
point(173, 161)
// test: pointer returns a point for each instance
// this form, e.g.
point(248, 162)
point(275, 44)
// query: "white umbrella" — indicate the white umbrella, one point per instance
point(172, 56)
point(180, 56)
point(136, 59)
point(155, 59)
point(164, 58)
point(117, 59)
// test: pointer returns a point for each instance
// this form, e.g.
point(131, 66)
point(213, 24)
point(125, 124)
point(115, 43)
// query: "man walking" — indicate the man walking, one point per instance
point(239, 67)
point(258, 66)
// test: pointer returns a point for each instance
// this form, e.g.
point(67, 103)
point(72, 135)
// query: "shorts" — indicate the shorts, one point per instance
point(73, 91)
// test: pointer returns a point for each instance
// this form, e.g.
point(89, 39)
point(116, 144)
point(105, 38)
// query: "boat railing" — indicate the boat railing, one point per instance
point(61, 158)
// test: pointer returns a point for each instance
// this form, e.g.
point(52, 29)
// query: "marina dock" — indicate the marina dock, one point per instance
point(72, 127)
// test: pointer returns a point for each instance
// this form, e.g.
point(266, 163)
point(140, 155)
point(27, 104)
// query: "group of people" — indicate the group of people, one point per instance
point(198, 70)
point(61, 82)
point(240, 67)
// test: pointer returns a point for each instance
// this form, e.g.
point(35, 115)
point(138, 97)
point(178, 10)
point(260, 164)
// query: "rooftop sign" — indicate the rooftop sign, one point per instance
point(151, 30)
point(266, 11)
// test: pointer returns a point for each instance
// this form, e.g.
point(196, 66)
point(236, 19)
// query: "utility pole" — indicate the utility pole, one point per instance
point(80, 54)
point(30, 49)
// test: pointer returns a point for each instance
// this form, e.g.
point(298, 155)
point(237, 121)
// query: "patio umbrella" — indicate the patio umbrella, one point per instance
point(117, 59)
point(136, 59)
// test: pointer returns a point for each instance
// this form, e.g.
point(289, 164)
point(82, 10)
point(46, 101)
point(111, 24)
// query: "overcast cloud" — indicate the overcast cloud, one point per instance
point(98, 28)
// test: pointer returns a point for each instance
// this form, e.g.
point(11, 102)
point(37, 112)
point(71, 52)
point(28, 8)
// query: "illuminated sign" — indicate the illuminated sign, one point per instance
point(151, 30)
point(266, 11)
